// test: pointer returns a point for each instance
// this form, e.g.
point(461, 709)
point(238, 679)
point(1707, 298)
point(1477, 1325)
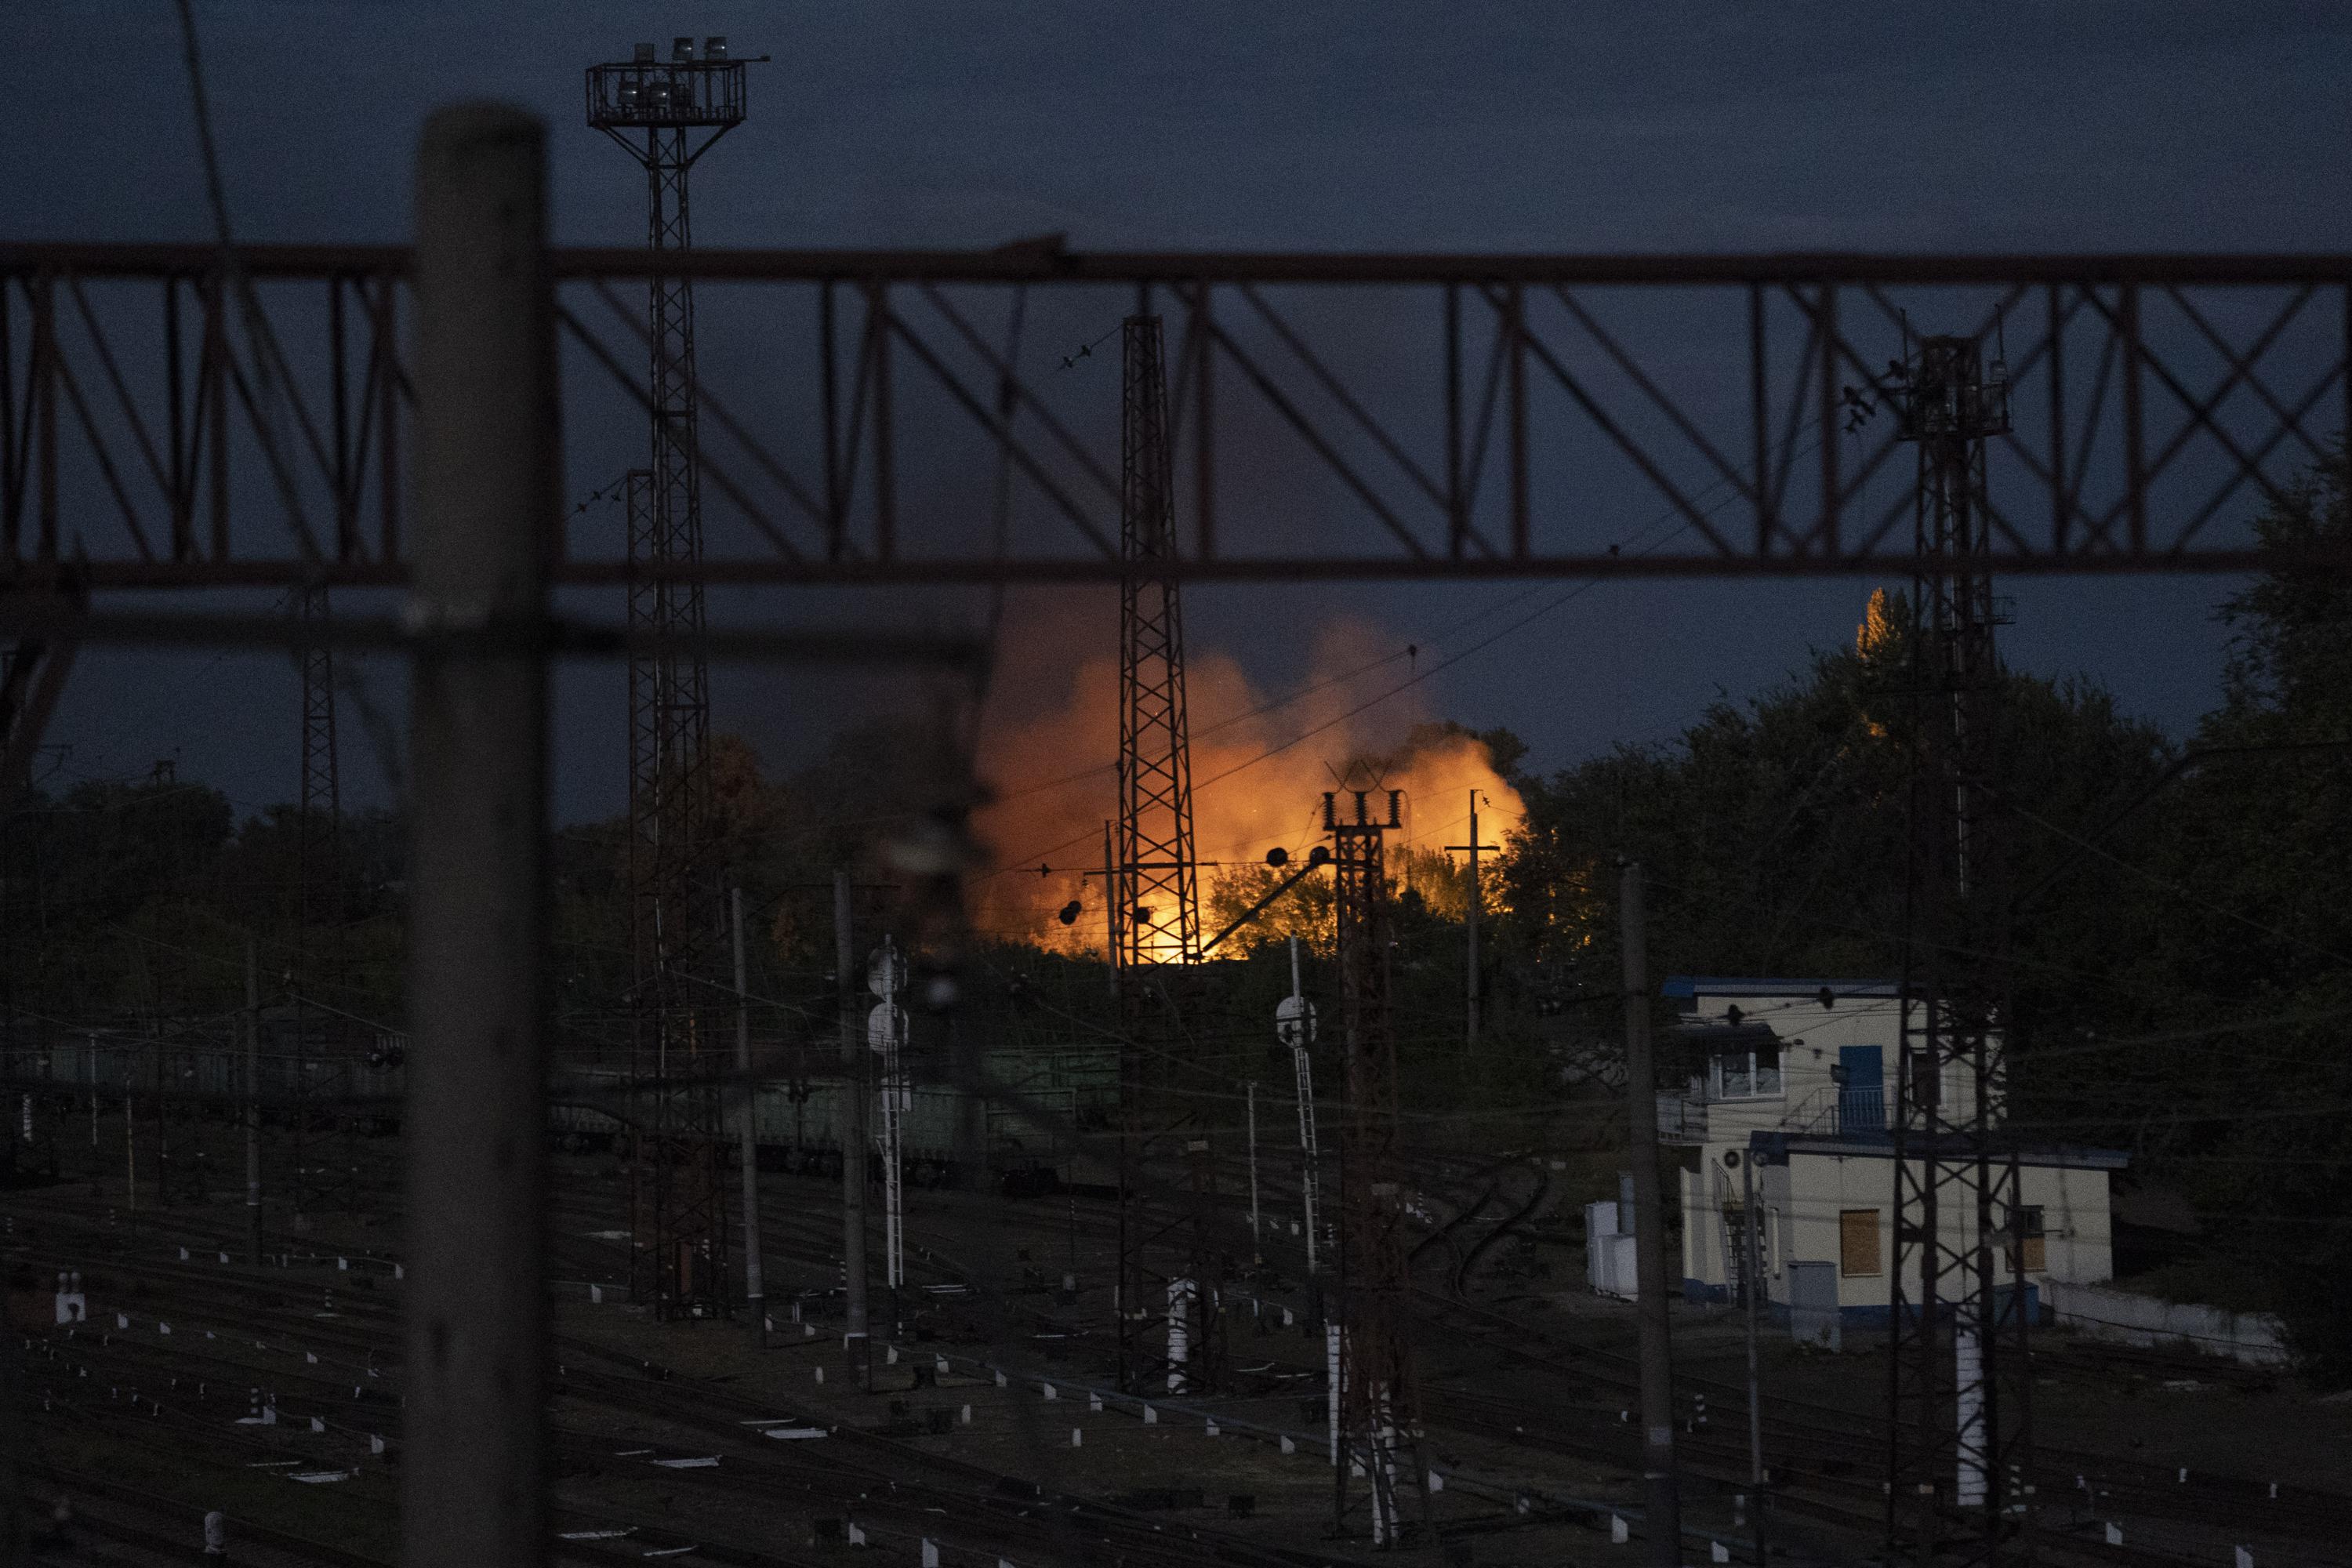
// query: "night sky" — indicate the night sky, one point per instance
point(1308, 126)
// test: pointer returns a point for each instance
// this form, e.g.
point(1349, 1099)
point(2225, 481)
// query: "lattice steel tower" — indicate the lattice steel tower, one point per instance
point(1158, 890)
point(1958, 1377)
point(667, 114)
point(1377, 1416)
point(1154, 891)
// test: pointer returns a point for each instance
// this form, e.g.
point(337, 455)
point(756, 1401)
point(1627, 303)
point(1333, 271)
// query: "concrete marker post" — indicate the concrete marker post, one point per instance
point(855, 1093)
point(755, 1296)
point(253, 1100)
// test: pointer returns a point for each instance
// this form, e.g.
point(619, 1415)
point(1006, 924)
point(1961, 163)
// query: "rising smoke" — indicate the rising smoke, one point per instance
point(1261, 761)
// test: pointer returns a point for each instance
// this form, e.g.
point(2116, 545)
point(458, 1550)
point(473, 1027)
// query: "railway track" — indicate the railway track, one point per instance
point(104, 1521)
point(993, 1515)
point(1794, 1426)
point(1826, 1460)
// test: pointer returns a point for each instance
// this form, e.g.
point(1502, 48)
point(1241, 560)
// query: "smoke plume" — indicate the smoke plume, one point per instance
point(1261, 762)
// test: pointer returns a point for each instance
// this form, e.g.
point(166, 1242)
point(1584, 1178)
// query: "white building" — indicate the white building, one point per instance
point(1794, 1075)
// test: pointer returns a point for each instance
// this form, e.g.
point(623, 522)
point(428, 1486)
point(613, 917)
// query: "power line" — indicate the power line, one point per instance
point(2169, 886)
point(1648, 546)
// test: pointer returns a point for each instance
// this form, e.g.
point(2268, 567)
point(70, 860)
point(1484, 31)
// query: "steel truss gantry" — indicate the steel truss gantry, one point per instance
point(2158, 419)
point(2148, 421)
point(1438, 416)
point(667, 114)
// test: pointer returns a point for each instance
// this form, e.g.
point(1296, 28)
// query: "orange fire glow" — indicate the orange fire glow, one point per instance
point(1258, 777)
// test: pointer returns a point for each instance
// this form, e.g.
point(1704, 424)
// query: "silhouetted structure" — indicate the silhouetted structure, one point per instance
point(667, 114)
point(1957, 1372)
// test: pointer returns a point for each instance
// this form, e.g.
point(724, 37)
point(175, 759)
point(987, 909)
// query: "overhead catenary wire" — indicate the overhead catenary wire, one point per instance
point(1417, 678)
point(1645, 545)
point(984, 690)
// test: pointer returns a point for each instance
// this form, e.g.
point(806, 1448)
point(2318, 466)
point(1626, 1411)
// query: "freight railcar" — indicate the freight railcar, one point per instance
point(1028, 1124)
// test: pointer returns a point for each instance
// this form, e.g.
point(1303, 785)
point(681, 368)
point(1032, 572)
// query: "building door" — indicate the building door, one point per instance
point(1862, 1088)
point(1858, 1242)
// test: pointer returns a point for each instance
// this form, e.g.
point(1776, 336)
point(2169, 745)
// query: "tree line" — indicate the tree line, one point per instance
point(2181, 915)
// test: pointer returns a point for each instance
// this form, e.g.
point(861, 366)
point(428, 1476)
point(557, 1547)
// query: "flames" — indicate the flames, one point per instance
point(1260, 766)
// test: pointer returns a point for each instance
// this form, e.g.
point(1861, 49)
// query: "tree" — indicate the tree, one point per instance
point(2251, 868)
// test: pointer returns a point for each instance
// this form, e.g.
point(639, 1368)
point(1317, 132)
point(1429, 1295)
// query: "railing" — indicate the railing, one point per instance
point(1838, 1108)
point(1815, 1114)
point(1682, 1120)
point(1829, 1111)
point(1862, 1110)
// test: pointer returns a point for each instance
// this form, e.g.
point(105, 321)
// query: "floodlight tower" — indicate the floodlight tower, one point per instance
point(1958, 1376)
point(667, 114)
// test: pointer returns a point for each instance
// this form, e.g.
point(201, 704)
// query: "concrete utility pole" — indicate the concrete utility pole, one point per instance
point(475, 1482)
point(755, 1296)
point(1754, 1266)
point(1478, 901)
point(1257, 1244)
point(1295, 1026)
point(1663, 1523)
point(253, 1100)
point(853, 1133)
point(13, 1449)
point(885, 1036)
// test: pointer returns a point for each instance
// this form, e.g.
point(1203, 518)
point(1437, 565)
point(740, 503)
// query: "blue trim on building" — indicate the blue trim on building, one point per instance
point(1699, 1293)
point(1773, 1148)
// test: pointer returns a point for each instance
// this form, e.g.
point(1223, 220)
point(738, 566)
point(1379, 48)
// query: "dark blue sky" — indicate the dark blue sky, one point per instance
point(1730, 126)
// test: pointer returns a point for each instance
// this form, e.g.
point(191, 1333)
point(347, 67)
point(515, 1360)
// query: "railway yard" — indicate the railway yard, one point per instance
point(635, 928)
point(987, 1428)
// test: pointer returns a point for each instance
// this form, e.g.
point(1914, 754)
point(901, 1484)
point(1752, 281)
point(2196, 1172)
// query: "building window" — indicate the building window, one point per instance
point(1747, 1074)
point(2032, 1243)
point(1857, 1242)
point(1926, 1083)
